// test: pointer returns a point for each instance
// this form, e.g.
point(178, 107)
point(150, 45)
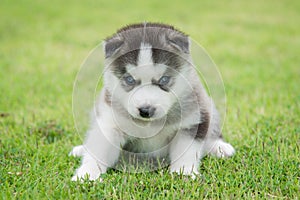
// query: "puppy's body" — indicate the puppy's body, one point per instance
point(152, 102)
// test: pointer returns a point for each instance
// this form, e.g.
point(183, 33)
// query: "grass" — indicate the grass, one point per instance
point(255, 45)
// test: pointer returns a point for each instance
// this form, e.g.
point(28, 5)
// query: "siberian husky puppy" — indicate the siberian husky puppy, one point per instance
point(152, 102)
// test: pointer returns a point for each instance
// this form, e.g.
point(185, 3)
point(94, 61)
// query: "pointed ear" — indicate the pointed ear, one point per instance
point(112, 46)
point(179, 42)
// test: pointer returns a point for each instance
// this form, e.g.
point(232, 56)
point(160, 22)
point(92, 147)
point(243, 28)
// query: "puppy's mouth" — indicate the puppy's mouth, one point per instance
point(146, 120)
point(142, 119)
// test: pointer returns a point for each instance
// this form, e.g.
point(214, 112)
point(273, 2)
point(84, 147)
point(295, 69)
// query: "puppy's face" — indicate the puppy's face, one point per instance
point(147, 90)
point(146, 80)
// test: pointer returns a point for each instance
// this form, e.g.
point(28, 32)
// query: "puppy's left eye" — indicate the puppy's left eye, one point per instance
point(164, 80)
point(129, 80)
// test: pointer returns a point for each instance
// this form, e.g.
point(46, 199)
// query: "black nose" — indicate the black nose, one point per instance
point(147, 111)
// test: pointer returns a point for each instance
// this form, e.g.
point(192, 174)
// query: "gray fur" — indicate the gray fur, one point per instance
point(169, 46)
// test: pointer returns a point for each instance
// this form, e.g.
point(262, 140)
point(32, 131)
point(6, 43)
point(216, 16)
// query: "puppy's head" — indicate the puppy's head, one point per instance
point(146, 69)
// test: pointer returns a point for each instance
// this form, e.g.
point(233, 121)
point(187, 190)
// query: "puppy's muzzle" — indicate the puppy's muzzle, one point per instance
point(146, 111)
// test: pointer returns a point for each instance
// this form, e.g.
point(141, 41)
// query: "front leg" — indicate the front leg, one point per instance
point(100, 152)
point(185, 154)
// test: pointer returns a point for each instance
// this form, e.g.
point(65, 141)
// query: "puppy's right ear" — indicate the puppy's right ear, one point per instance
point(112, 46)
point(179, 42)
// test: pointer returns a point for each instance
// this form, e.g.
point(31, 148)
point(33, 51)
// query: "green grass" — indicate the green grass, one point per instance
point(256, 45)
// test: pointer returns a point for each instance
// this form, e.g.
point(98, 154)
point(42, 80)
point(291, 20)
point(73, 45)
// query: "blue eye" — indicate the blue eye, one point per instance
point(164, 80)
point(129, 80)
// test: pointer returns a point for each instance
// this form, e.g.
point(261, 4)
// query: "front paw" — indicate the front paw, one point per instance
point(87, 171)
point(186, 171)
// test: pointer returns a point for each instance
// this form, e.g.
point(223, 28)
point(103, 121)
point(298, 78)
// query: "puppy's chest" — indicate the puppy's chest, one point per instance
point(156, 144)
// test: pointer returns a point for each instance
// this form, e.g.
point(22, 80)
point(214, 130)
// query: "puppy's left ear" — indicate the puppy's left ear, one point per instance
point(179, 42)
point(112, 46)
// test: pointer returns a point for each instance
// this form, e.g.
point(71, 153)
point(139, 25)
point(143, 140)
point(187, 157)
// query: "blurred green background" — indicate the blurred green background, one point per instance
point(255, 44)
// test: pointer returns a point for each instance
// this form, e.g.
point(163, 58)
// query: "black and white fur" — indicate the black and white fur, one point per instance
point(173, 117)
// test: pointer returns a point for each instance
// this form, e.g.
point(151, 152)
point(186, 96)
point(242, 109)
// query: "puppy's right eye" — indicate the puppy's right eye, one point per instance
point(164, 80)
point(129, 80)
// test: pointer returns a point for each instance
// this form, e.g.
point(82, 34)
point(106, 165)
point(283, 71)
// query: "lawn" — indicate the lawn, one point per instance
point(255, 44)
